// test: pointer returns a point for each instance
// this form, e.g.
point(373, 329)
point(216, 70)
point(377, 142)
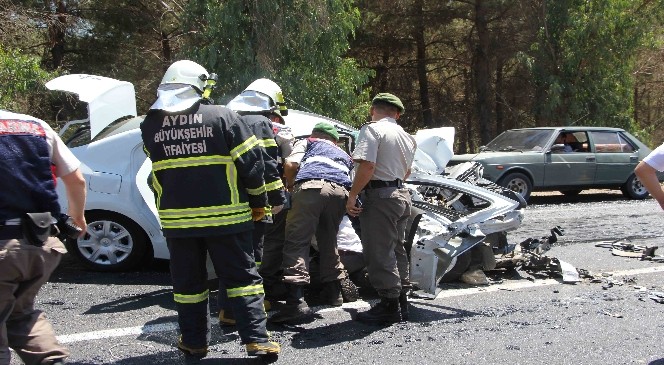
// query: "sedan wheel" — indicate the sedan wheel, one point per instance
point(112, 243)
point(634, 189)
point(518, 183)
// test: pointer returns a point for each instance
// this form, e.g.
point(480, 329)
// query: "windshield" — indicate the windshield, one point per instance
point(82, 135)
point(521, 140)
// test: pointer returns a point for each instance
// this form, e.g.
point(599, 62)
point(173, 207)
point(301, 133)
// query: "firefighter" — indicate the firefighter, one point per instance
point(32, 157)
point(263, 130)
point(207, 173)
point(264, 97)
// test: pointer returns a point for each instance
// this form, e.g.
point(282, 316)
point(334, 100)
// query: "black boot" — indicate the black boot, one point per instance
point(330, 294)
point(403, 305)
point(296, 308)
point(387, 311)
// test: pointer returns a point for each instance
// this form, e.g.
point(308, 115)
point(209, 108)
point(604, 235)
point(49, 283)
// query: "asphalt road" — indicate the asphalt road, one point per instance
point(129, 318)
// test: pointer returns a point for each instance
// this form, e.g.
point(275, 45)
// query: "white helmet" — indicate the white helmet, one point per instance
point(262, 95)
point(186, 72)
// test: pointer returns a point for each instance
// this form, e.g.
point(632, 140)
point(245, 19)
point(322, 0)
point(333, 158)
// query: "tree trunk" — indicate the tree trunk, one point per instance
point(427, 115)
point(481, 71)
point(56, 33)
point(500, 102)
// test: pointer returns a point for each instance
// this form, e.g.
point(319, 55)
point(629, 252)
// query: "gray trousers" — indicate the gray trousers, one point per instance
point(385, 212)
point(23, 270)
point(317, 209)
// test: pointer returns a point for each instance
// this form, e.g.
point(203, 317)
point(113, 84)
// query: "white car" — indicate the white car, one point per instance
point(452, 214)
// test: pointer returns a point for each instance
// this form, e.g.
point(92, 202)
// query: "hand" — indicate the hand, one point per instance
point(82, 224)
point(257, 214)
point(276, 209)
point(351, 206)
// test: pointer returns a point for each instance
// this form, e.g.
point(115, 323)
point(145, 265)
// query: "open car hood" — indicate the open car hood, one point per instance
point(108, 99)
point(434, 149)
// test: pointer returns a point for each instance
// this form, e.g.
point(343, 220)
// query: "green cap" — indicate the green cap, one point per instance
point(328, 129)
point(390, 99)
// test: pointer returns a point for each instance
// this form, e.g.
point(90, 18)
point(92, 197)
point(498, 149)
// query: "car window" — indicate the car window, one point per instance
point(521, 140)
point(611, 142)
point(81, 136)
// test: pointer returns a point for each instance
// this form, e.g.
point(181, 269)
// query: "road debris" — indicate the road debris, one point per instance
point(626, 248)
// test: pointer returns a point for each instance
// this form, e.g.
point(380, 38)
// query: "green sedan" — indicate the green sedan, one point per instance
point(567, 159)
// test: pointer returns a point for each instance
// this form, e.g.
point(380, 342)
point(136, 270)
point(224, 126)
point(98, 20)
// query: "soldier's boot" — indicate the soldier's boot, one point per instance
point(268, 352)
point(296, 308)
point(385, 312)
point(403, 305)
point(330, 294)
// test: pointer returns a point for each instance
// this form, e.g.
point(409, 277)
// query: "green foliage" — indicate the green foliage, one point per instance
point(22, 79)
point(299, 44)
point(583, 59)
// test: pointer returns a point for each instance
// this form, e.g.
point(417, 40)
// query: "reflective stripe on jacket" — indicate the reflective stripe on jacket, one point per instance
point(207, 170)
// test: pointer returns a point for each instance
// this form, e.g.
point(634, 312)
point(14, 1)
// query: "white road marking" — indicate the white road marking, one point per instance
point(449, 293)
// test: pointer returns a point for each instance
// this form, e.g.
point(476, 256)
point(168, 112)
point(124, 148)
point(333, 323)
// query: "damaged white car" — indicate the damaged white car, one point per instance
point(453, 213)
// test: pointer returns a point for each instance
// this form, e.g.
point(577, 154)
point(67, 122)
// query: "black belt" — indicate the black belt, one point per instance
point(11, 232)
point(376, 184)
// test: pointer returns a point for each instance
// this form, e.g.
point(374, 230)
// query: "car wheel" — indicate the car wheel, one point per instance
point(634, 189)
point(518, 183)
point(112, 243)
point(571, 192)
point(460, 267)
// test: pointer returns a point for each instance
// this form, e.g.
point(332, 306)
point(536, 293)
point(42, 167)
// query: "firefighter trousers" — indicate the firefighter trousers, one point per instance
point(273, 252)
point(257, 243)
point(233, 259)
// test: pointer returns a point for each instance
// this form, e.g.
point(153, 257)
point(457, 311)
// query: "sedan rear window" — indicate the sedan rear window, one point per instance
point(611, 142)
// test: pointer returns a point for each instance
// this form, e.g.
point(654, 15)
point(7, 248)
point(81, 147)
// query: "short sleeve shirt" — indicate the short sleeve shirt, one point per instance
point(65, 162)
point(387, 145)
point(297, 154)
point(656, 158)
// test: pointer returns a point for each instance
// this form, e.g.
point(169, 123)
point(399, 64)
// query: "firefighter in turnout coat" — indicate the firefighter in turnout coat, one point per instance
point(207, 174)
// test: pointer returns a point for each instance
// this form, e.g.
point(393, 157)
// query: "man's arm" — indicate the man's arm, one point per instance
point(648, 177)
point(76, 194)
point(290, 171)
point(363, 175)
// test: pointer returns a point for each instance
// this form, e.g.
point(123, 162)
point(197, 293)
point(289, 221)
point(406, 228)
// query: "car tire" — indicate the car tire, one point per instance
point(460, 267)
point(571, 192)
point(112, 243)
point(634, 189)
point(518, 183)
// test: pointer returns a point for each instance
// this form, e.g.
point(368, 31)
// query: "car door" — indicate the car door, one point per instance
point(616, 157)
point(575, 168)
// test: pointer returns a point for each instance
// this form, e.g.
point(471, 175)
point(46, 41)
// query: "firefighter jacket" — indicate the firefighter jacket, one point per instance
point(28, 182)
point(207, 170)
point(262, 129)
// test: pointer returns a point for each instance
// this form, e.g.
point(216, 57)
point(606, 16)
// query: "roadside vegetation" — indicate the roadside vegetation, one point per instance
point(479, 66)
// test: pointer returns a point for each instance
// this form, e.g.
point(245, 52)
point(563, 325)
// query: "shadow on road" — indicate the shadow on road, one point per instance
point(590, 196)
point(155, 272)
point(349, 331)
